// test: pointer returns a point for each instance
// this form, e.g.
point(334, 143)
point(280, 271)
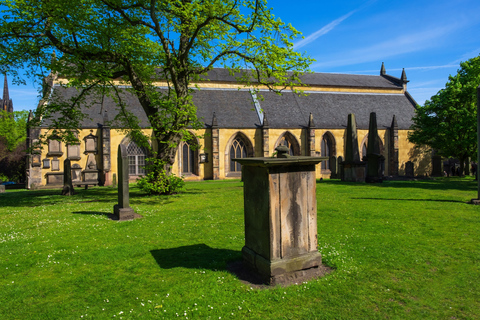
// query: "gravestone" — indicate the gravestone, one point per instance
point(437, 165)
point(2, 188)
point(340, 167)
point(67, 179)
point(375, 160)
point(122, 210)
point(333, 167)
point(409, 169)
point(353, 169)
point(280, 208)
point(114, 180)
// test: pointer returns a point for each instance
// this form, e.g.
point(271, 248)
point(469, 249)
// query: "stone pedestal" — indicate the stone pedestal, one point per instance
point(437, 166)
point(124, 213)
point(353, 171)
point(280, 216)
point(375, 163)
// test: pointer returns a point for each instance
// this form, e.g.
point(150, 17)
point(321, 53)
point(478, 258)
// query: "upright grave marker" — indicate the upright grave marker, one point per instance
point(122, 210)
point(67, 179)
point(374, 157)
point(353, 169)
point(280, 217)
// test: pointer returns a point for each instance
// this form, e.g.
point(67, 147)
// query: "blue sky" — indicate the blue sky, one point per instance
point(428, 38)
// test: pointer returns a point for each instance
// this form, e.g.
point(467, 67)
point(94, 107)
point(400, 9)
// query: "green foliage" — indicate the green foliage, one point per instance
point(448, 121)
point(158, 181)
point(13, 128)
point(137, 42)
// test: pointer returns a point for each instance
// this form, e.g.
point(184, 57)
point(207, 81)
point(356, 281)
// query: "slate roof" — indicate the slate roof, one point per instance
point(325, 79)
point(235, 108)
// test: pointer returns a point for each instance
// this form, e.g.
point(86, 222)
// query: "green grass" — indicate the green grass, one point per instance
point(401, 250)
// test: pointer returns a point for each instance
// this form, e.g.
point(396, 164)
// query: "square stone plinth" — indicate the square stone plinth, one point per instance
point(280, 208)
point(124, 213)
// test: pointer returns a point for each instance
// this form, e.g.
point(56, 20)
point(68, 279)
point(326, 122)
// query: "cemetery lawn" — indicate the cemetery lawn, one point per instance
point(400, 250)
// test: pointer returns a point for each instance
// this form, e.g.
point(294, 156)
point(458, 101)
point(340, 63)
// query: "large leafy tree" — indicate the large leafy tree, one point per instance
point(13, 128)
point(101, 43)
point(13, 133)
point(448, 121)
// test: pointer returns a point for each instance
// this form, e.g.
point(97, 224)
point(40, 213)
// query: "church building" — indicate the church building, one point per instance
point(239, 123)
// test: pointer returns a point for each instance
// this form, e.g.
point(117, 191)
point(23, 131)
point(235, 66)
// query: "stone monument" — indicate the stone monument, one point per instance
point(122, 210)
point(409, 169)
point(67, 179)
point(437, 165)
point(280, 208)
point(375, 160)
point(353, 170)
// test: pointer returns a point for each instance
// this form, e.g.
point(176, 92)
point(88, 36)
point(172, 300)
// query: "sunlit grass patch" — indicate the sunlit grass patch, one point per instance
point(404, 250)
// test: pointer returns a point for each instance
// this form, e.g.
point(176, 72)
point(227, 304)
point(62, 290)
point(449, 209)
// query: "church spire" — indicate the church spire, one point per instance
point(6, 97)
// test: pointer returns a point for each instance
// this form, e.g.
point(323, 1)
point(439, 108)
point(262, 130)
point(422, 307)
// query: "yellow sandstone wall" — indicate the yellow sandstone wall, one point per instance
point(407, 152)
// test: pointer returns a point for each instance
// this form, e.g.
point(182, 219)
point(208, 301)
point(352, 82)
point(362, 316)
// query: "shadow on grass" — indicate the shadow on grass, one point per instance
point(463, 184)
point(398, 199)
point(197, 256)
point(94, 213)
point(201, 256)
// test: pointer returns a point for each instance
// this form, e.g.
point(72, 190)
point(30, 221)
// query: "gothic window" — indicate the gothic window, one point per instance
point(189, 158)
point(327, 150)
point(237, 150)
point(290, 142)
point(285, 142)
point(136, 159)
point(364, 149)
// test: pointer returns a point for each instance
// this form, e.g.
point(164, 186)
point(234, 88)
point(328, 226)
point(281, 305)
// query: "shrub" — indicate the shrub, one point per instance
point(158, 180)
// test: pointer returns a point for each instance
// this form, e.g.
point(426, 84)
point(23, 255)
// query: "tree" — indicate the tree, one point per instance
point(13, 133)
point(448, 121)
point(103, 43)
point(13, 128)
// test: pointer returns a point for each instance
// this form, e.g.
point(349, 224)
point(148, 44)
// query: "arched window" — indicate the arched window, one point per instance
point(237, 150)
point(288, 140)
point(189, 157)
point(364, 149)
point(327, 150)
point(136, 159)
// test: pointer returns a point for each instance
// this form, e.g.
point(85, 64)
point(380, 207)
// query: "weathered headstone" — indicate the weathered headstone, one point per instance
point(437, 165)
point(409, 169)
point(280, 208)
point(374, 158)
point(67, 179)
point(122, 210)
point(340, 167)
point(353, 168)
point(333, 167)
point(2, 188)
point(114, 180)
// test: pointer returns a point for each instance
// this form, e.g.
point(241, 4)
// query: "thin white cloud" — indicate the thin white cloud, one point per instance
point(466, 56)
point(400, 45)
point(326, 29)
point(20, 92)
